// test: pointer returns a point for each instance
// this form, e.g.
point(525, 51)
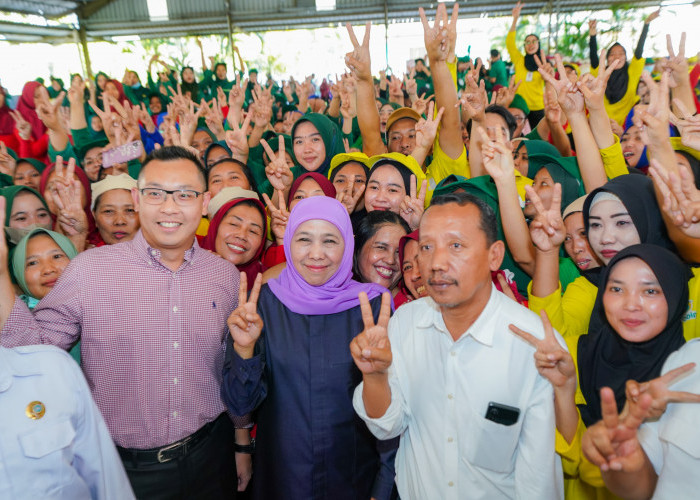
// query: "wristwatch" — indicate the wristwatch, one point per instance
point(245, 448)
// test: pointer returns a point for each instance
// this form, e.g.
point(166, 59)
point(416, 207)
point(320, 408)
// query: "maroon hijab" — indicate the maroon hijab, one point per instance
point(252, 268)
point(27, 108)
point(326, 186)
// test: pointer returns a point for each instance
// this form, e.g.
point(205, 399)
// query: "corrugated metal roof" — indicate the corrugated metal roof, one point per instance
point(200, 17)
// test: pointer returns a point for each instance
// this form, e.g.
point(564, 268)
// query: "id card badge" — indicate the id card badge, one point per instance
point(528, 78)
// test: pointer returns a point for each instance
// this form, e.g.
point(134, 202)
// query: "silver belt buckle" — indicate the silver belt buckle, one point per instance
point(160, 458)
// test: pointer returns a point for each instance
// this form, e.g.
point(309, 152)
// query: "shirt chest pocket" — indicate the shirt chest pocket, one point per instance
point(489, 445)
point(48, 453)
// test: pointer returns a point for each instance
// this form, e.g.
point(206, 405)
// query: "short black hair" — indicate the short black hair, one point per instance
point(495, 53)
point(368, 227)
point(506, 115)
point(171, 153)
point(487, 217)
point(216, 66)
point(244, 168)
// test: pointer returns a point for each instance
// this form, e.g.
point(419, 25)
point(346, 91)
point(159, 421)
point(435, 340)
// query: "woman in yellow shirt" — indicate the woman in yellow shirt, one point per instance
point(532, 85)
point(636, 323)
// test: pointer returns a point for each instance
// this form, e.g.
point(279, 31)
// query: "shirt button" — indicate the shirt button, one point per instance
point(176, 345)
point(450, 396)
point(174, 309)
point(174, 414)
point(449, 439)
point(175, 381)
point(450, 484)
point(452, 353)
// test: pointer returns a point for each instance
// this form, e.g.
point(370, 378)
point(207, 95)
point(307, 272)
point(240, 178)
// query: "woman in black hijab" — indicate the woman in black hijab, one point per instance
point(608, 357)
point(621, 91)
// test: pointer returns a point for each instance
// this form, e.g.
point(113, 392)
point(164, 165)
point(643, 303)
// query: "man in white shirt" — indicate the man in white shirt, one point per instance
point(475, 418)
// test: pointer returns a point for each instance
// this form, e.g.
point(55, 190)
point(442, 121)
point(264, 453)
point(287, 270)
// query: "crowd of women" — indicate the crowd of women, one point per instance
point(594, 177)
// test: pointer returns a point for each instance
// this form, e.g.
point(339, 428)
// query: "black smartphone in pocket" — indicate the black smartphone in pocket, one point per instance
point(502, 414)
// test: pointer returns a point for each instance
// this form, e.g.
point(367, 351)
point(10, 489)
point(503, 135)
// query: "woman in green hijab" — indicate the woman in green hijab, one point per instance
point(315, 140)
point(37, 262)
point(25, 209)
point(28, 172)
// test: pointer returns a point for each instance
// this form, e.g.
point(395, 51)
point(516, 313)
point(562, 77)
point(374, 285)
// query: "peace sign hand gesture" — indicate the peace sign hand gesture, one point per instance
point(65, 194)
point(551, 360)
point(24, 128)
point(349, 200)
point(278, 216)
point(244, 323)
point(547, 229)
point(237, 140)
point(660, 394)
point(593, 89)
point(371, 349)
point(358, 61)
point(427, 128)
point(277, 171)
point(612, 443)
point(413, 206)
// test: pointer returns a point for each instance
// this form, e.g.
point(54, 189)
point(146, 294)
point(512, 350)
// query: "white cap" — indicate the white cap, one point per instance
point(121, 181)
point(227, 194)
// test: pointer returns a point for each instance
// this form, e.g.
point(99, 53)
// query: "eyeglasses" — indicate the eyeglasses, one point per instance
point(183, 197)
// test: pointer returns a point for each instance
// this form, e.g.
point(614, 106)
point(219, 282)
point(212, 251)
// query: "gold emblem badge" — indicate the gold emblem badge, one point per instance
point(35, 410)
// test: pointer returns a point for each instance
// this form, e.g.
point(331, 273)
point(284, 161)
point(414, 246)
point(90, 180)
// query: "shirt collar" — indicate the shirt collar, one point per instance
point(153, 254)
point(9, 368)
point(481, 330)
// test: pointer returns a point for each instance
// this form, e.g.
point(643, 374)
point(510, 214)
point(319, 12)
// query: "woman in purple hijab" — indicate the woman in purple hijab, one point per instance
point(299, 374)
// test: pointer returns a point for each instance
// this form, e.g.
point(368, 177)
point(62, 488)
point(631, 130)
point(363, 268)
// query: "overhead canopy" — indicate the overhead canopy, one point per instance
point(103, 19)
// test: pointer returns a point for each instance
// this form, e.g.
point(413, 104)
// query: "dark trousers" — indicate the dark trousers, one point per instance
point(208, 471)
point(534, 118)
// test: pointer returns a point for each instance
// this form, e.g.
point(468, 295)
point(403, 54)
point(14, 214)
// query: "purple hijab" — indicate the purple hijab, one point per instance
point(340, 292)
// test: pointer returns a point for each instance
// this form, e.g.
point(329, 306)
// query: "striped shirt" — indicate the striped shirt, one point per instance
point(152, 340)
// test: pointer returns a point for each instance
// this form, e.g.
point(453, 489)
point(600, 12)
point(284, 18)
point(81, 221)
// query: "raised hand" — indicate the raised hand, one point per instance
point(505, 95)
point(413, 205)
point(496, 156)
point(441, 35)
point(592, 27)
point(279, 216)
point(426, 128)
point(420, 104)
point(612, 443)
point(473, 101)
point(654, 121)
point(395, 89)
point(593, 89)
point(547, 229)
point(568, 94)
point(215, 119)
point(681, 199)
point(277, 171)
point(688, 124)
point(652, 16)
point(237, 140)
point(358, 60)
point(349, 200)
point(371, 349)
point(659, 391)
point(516, 10)
point(551, 359)
point(677, 65)
point(7, 162)
point(76, 93)
point(24, 128)
point(65, 194)
point(244, 323)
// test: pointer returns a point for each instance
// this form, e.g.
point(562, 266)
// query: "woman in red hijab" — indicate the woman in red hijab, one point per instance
point(34, 144)
point(237, 233)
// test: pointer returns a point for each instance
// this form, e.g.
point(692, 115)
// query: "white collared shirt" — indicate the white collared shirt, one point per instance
point(440, 392)
point(672, 443)
point(53, 441)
